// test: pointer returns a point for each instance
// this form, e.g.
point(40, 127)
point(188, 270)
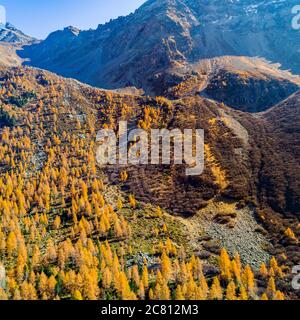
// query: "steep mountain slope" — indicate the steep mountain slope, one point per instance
point(8, 55)
point(285, 115)
point(249, 28)
point(77, 228)
point(244, 83)
point(11, 41)
point(10, 34)
point(137, 50)
point(285, 119)
point(253, 143)
point(48, 154)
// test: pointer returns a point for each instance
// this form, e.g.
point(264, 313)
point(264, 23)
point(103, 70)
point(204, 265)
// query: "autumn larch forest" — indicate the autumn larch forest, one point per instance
point(71, 229)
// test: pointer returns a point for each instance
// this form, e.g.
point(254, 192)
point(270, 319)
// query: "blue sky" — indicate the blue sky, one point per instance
point(40, 17)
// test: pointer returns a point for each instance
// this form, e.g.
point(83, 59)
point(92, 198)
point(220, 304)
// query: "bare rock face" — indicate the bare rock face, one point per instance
point(138, 50)
point(247, 28)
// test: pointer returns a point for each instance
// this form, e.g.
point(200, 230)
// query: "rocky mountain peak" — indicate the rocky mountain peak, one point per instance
point(63, 35)
point(10, 34)
point(73, 30)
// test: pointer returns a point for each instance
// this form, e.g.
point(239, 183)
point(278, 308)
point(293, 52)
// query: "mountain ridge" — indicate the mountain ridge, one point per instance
point(10, 34)
point(137, 50)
